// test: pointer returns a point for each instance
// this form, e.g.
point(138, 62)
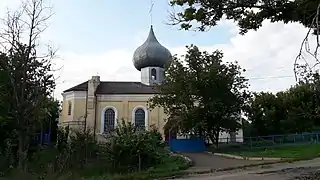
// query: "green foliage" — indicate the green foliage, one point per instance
point(132, 149)
point(295, 110)
point(249, 14)
point(26, 78)
point(170, 166)
point(125, 151)
point(202, 96)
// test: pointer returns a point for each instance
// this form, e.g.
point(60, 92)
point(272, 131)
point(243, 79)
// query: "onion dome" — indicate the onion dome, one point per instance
point(151, 53)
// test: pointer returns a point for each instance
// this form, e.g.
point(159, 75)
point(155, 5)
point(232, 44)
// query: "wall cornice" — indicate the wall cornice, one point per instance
point(74, 95)
point(107, 97)
point(124, 97)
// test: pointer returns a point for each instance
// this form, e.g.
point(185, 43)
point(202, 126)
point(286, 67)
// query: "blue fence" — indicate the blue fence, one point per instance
point(187, 145)
point(270, 141)
point(42, 138)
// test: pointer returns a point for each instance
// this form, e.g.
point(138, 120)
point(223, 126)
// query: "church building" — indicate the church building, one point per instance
point(98, 105)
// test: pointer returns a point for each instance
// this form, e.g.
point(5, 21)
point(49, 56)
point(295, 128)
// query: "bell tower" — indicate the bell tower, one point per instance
point(150, 59)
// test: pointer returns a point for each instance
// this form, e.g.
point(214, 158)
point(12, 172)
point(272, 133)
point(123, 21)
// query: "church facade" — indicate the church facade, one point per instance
point(98, 105)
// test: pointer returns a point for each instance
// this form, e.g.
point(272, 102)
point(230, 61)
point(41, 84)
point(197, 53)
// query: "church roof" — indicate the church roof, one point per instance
point(116, 87)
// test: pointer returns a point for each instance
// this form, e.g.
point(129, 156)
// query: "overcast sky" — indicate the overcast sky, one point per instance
point(99, 37)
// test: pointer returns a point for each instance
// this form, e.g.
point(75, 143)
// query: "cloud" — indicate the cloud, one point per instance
point(268, 55)
point(113, 65)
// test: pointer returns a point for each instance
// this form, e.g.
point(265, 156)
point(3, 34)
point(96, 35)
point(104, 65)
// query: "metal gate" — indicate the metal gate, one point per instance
point(187, 145)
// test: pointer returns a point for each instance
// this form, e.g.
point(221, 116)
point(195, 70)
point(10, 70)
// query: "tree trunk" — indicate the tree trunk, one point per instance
point(23, 147)
point(21, 152)
point(217, 137)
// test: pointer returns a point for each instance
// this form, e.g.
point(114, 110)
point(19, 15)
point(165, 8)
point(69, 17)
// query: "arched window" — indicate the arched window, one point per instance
point(154, 74)
point(108, 119)
point(139, 118)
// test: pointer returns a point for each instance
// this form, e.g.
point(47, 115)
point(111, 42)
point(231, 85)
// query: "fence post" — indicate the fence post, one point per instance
point(41, 138)
point(317, 138)
point(250, 142)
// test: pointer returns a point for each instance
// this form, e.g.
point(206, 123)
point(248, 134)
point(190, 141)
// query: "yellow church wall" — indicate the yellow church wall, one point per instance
point(79, 109)
point(124, 105)
point(64, 112)
point(125, 111)
point(78, 105)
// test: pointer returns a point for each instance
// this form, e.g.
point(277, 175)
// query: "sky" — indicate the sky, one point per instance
point(99, 38)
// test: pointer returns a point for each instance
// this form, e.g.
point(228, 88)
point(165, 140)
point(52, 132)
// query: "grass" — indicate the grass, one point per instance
point(292, 152)
point(171, 166)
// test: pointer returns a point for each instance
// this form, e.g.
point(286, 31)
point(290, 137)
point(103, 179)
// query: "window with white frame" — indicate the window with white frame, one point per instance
point(139, 118)
point(109, 120)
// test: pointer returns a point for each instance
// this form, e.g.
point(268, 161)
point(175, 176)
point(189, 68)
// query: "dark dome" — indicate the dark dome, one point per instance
point(151, 53)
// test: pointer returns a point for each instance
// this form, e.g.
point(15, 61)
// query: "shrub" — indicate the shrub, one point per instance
point(129, 146)
point(77, 154)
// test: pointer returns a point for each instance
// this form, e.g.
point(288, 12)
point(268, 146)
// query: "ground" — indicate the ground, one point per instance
point(300, 170)
point(206, 161)
point(233, 169)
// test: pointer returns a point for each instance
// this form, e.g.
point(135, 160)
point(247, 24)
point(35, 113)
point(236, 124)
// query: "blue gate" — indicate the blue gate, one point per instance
point(42, 138)
point(187, 145)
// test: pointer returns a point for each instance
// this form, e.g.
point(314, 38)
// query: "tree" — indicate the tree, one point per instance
point(249, 14)
point(6, 123)
point(29, 80)
point(201, 94)
point(295, 110)
point(265, 114)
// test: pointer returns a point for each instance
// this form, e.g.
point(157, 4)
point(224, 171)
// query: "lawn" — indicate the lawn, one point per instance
point(172, 166)
point(294, 152)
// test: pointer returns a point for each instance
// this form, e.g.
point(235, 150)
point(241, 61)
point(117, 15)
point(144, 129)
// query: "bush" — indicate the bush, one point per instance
point(77, 155)
point(129, 146)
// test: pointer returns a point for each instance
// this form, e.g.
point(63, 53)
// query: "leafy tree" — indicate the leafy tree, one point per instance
point(6, 123)
point(295, 110)
point(29, 81)
point(201, 94)
point(249, 14)
point(265, 114)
